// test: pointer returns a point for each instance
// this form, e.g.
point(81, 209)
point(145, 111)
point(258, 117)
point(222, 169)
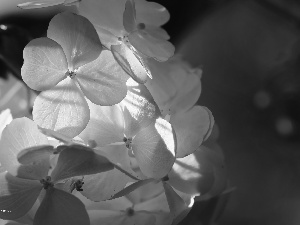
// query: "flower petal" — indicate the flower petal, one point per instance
point(62, 108)
point(129, 15)
point(131, 62)
point(5, 119)
point(154, 148)
point(78, 38)
point(17, 196)
point(106, 125)
point(61, 208)
point(139, 108)
point(40, 4)
point(45, 64)
point(151, 13)
point(178, 208)
point(153, 47)
point(103, 186)
point(21, 133)
point(77, 160)
point(103, 81)
point(35, 154)
point(192, 174)
point(191, 127)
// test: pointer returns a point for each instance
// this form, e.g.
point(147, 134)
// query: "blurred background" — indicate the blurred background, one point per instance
point(250, 55)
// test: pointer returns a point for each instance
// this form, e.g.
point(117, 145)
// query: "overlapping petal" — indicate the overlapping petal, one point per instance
point(61, 208)
point(17, 195)
point(62, 108)
point(77, 160)
point(191, 128)
point(106, 125)
point(154, 148)
point(45, 64)
point(78, 38)
point(103, 81)
point(21, 133)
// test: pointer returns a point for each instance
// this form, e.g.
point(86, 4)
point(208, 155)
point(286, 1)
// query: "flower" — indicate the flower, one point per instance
point(26, 178)
point(68, 67)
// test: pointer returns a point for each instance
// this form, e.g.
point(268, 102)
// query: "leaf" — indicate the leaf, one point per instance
point(153, 47)
point(129, 16)
point(192, 174)
point(21, 133)
point(61, 208)
point(178, 208)
point(139, 108)
point(106, 125)
point(62, 109)
point(154, 148)
point(45, 64)
point(191, 127)
point(17, 196)
point(103, 186)
point(40, 4)
point(78, 38)
point(78, 160)
point(103, 81)
point(131, 62)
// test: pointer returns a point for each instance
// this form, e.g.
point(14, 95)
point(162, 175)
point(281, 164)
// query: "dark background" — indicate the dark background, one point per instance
point(249, 52)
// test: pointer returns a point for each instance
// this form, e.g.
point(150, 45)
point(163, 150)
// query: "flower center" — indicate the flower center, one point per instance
point(71, 74)
point(129, 211)
point(46, 182)
point(128, 142)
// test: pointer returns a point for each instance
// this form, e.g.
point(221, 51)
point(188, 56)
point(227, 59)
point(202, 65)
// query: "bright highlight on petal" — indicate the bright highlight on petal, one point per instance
point(154, 148)
point(40, 4)
point(45, 64)
point(62, 109)
point(103, 81)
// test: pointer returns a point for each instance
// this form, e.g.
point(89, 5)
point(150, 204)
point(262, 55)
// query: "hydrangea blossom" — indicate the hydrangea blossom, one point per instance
point(68, 67)
point(105, 148)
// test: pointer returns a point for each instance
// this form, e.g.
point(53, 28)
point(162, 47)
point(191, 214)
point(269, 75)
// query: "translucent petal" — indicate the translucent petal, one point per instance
point(131, 62)
point(153, 47)
point(154, 148)
point(17, 196)
point(35, 154)
point(5, 119)
point(21, 133)
point(178, 208)
point(61, 208)
point(107, 217)
point(190, 127)
point(62, 109)
point(77, 160)
point(107, 14)
point(78, 38)
point(103, 81)
point(132, 187)
point(129, 15)
point(151, 13)
point(157, 32)
point(192, 174)
point(106, 125)
point(40, 4)
point(118, 154)
point(44, 65)
point(103, 186)
point(139, 108)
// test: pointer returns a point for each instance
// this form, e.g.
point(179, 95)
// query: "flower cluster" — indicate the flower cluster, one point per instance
point(116, 137)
